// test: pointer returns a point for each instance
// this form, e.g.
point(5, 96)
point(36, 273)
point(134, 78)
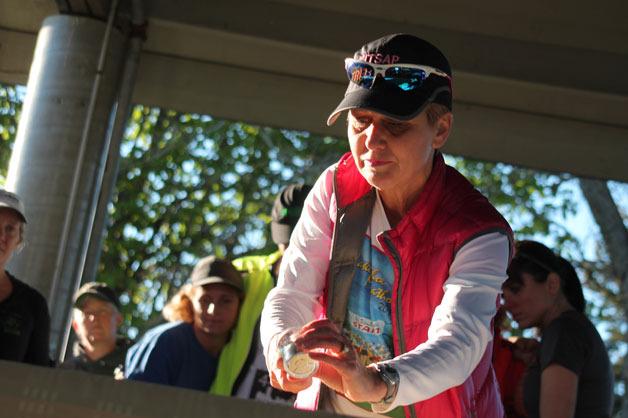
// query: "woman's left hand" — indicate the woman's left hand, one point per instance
point(340, 367)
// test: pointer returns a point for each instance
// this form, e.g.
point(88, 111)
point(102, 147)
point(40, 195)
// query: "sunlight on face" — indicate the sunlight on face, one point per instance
point(10, 234)
point(96, 321)
point(216, 308)
point(393, 154)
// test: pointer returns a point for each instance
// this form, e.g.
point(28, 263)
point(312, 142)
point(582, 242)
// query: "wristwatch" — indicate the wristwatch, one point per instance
point(390, 376)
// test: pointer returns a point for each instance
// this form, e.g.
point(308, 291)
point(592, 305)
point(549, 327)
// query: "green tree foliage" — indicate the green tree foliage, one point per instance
point(190, 185)
point(533, 202)
point(10, 108)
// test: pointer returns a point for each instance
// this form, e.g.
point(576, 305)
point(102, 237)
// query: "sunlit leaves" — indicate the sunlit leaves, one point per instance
point(190, 186)
point(10, 107)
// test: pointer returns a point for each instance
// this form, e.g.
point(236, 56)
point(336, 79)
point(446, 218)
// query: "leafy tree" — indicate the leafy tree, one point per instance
point(190, 185)
point(10, 108)
point(608, 275)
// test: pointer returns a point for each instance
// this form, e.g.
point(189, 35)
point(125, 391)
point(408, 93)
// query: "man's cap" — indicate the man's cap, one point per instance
point(211, 270)
point(388, 99)
point(287, 211)
point(97, 290)
point(12, 201)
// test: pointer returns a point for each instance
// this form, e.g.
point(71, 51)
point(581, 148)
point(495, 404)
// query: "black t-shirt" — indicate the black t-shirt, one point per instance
point(572, 341)
point(107, 365)
point(24, 325)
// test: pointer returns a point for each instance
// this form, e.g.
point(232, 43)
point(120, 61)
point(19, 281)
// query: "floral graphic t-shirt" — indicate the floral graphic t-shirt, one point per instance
point(368, 321)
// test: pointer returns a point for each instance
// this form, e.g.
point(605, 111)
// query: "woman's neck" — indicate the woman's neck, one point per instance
point(6, 287)
point(397, 204)
point(561, 306)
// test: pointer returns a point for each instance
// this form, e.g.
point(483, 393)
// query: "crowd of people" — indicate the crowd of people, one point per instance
point(382, 296)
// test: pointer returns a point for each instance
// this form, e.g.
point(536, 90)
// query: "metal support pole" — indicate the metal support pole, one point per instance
point(67, 111)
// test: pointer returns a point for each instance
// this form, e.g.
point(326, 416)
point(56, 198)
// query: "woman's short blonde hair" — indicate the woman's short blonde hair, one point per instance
point(434, 111)
point(180, 307)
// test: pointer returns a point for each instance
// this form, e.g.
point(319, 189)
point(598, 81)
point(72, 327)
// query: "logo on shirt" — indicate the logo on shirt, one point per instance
point(13, 324)
point(366, 325)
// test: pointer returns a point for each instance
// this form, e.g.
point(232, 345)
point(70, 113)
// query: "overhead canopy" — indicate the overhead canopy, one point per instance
point(537, 84)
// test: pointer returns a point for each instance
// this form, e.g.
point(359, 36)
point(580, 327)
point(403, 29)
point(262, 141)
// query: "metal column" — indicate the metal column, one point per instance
point(60, 121)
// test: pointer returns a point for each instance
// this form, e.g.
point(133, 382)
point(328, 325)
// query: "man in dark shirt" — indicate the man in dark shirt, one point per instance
point(95, 321)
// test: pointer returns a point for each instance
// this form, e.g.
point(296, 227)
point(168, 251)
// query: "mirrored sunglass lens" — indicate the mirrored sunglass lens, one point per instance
point(405, 78)
point(361, 74)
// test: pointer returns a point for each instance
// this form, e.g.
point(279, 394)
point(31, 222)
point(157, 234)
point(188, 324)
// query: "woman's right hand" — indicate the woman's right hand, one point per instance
point(280, 379)
point(339, 365)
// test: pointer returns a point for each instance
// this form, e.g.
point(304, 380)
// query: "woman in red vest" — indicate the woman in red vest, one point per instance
point(389, 285)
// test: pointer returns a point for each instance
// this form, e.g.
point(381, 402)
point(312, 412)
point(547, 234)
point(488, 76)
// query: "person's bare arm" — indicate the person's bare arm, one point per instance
point(559, 392)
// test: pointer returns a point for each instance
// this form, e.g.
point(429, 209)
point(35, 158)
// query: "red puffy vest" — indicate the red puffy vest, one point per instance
point(448, 213)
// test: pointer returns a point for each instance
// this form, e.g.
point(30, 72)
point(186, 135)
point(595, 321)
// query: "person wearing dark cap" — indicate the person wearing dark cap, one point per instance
point(286, 213)
point(24, 316)
point(203, 316)
point(387, 291)
point(95, 320)
point(260, 274)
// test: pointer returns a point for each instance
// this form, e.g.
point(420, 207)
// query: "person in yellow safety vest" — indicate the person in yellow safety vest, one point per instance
point(211, 341)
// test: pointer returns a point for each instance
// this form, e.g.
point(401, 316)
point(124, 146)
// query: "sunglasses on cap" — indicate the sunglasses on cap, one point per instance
point(407, 77)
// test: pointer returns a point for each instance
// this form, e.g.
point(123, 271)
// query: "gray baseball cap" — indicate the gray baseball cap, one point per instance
point(12, 201)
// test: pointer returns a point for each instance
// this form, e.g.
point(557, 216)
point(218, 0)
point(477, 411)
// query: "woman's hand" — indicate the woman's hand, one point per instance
point(340, 367)
point(279, 378)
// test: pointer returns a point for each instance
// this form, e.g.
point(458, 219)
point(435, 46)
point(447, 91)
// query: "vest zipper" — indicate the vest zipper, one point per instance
point(398, 315)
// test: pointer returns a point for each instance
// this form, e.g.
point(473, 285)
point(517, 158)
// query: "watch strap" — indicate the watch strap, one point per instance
point(390, 377)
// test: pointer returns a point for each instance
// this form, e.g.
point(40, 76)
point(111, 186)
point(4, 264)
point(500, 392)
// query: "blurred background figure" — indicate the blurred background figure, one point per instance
point(260, 274)
point(509, 369)
point(203, 315)
point(286, 213)
point(572, 376)
point(24, 317)
point(95, 320)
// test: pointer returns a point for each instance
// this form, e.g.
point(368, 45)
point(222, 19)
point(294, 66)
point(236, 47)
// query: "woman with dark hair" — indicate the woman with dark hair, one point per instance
point(573, 375)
